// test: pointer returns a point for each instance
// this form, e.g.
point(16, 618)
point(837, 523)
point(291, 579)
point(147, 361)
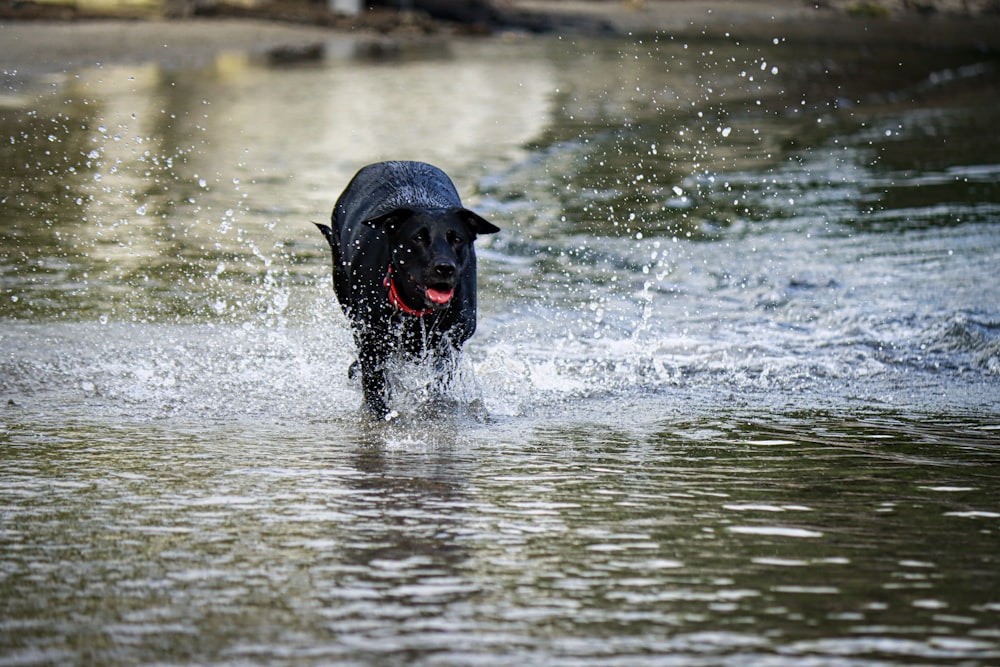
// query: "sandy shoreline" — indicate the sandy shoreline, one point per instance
point(35, 48)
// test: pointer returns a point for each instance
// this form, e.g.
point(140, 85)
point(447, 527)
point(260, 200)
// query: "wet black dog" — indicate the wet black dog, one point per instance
point(404, 268)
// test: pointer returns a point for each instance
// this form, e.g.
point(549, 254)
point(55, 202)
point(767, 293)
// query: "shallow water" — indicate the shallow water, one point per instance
point(733, 400)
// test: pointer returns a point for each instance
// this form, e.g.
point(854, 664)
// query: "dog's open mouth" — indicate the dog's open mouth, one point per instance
point(439, 295)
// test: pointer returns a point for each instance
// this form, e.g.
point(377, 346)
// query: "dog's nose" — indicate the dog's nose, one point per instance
point(444, 269)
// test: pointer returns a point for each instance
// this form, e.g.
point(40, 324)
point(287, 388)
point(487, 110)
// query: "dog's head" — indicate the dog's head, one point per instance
point(431, 250)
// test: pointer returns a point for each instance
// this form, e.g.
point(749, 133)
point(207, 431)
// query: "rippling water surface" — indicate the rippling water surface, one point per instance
point(735, 396)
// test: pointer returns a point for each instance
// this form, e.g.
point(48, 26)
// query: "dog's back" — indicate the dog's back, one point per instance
point(386, 186)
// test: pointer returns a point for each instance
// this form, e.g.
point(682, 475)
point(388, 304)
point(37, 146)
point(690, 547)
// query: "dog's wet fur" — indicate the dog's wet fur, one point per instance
point(404, 269)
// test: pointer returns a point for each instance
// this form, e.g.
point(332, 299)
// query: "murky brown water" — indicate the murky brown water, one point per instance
point(734, 398)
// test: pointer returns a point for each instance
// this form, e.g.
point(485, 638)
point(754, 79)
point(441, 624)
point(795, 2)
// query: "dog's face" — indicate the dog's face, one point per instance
point(431, 251)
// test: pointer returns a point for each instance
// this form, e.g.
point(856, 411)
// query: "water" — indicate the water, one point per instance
point(733, 400)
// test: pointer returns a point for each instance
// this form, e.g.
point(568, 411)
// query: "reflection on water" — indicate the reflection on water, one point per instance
point(129, 176)
point(734, 398)
point(563, 543)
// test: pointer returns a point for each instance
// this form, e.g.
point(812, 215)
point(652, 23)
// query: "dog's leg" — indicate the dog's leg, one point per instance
point(445, 365)
point(373, 383)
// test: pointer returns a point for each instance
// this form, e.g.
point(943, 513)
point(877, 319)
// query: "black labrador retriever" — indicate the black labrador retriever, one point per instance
point(404, 268)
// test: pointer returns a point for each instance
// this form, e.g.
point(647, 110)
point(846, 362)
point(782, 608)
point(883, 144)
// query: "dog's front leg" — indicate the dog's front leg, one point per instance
point(445, 364)
point(373, 382)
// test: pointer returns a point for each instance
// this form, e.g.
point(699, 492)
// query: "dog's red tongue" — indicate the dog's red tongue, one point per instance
point(439, 297)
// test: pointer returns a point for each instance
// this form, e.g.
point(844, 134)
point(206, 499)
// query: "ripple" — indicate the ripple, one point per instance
point(775, 531)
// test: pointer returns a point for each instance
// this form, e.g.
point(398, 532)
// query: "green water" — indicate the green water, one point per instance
point(733, 399)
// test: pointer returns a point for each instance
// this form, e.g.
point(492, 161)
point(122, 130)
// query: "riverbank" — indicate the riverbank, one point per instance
point(833, 21)
point(63, 42)
point(33, 48)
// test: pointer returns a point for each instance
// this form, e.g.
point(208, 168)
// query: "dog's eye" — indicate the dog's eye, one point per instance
point(422, 237)
point(454, 238)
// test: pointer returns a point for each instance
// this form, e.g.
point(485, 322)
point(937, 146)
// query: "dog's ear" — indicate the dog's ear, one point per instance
point(479, 224)
point(327, 232)
point(390, 221)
